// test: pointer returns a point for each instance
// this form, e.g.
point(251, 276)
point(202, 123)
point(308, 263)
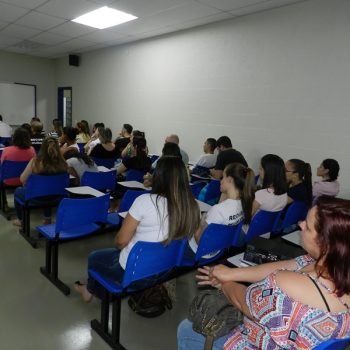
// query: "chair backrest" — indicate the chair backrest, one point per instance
point(211, 192)
point(81, 146)
point(334, 344)
point(99, 180)
point(11, 169)
point(196, 188)
point(46, 185)
point(134, 175)
point(153, 157)
point(5, 140)
point(128, 199)
point(107, 162)
point(262, 222)
point(295, 212)
point(149, 258)
point(73, 212)
point(217, 238)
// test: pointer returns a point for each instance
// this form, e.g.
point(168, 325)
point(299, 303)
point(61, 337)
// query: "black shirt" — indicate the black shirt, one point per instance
point(100, 152)
point(142, 163)
point(227, 157)
point(121, 143)
point(298, 193)
point(37, 140)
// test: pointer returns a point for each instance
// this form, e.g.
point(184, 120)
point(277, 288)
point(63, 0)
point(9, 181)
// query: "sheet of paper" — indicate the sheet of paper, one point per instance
point(85, 190)
point(103, 169)
point(134, 184)
point(203, 207)
point(293, 237)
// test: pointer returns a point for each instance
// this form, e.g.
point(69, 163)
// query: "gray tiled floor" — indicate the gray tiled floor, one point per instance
point(34, 315)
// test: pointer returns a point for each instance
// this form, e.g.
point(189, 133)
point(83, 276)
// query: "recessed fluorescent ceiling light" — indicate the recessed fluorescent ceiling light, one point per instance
point(104, 17)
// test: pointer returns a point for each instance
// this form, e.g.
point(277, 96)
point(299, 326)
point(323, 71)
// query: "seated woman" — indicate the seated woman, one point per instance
point(83, 135)
point(299, 176)
point(94, 140)
point(169, 212)
point(140, 161)
point(106, 148)
point(237, 188)
point(20, 151)
point(68, 139)
point(129, 150)
point(273, 195)
point(49, 161)
point(329, 186)
point(78, 163)
point(289, 302)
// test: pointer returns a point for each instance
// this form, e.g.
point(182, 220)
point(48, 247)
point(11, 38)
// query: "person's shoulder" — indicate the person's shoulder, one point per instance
point(292, 284)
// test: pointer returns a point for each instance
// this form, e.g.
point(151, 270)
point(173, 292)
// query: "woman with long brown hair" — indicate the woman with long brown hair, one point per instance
point(169, 212)
point(49, 161)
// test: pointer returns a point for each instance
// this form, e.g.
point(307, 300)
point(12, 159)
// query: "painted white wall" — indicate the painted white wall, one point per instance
point(275, 82)
point(32, 70)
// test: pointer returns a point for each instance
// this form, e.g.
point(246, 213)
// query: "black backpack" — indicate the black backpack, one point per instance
point(213, 316)
point(151, 302)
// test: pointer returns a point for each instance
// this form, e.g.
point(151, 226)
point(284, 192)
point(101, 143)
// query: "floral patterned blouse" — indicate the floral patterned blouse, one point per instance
point(284, 323)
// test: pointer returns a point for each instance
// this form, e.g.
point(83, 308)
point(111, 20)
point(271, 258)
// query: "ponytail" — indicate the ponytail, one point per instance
point(244, 181)
point(305, 175)
point(248, 195)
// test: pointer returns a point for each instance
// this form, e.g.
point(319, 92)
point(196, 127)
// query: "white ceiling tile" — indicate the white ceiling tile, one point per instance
point(28, 4)
point(185, 12)
point(77, 44)
point(102, 36)
point(92, 48)
point(262, 6)
point(72, 29)
point(49, 38)
point(11, 13)
point(137, 26)
point(103, 2)
point(122, 40)
point(156, 32)
point(68, 9)
point(39, 21)
point(228, 5)
point(146, 8)
point(19, 31)
point(8, 41)
point(203, 20)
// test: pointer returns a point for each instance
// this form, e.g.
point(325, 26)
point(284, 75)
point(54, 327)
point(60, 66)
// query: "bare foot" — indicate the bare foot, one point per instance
point(17, 222)
point(84, 293)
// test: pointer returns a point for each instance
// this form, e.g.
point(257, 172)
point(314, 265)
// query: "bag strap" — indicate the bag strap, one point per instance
point(209, 340)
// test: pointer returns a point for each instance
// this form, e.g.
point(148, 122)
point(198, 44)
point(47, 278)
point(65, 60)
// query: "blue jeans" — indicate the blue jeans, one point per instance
point(188, 339)
point(106, 262)
point(20, 193)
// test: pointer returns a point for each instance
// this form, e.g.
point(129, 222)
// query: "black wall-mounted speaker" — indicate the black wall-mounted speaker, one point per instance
point(74, 60)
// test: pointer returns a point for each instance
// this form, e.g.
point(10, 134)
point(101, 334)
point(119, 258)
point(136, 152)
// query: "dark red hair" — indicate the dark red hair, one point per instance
point(333, 228)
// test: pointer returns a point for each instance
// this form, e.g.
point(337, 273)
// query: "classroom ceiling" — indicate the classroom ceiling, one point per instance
point(43, 27)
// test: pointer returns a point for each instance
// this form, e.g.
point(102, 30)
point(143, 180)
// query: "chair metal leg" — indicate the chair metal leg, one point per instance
point(26, 228)
point(101, 327)
point(50, 270)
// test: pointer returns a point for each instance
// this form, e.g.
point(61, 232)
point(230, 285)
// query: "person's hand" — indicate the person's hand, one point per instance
point(147, 180)
point(214, 275)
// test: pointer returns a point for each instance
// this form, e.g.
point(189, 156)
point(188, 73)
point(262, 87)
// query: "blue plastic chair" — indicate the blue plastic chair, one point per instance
point(210, 193)
point(153, 158)
point(291, 215)
point(146, 259)
point(196, 188)
point(115, 219)
point(134, 175)
point(81, 147)
point(9, 169)
point(262, 222)
point(5, 141)
point(76, 218)
point(41, 191)
point(334, 344)
point(214, 239)
point(106, 162)
point(102, 181)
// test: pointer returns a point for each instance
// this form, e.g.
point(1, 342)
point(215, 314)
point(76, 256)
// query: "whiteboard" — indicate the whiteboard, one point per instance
point(17, 103)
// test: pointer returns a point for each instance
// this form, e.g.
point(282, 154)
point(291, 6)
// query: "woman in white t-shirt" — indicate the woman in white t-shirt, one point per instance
point(237, 195)
point(169, 212)
point(273, 195)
